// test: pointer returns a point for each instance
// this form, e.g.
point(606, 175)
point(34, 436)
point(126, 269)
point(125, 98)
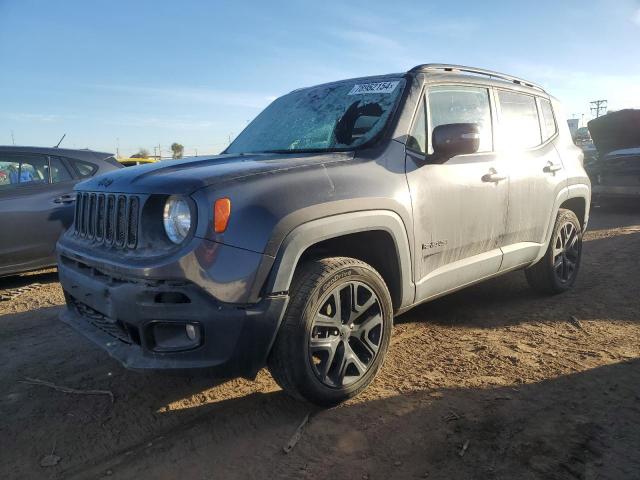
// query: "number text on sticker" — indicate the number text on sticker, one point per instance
point(379, 87)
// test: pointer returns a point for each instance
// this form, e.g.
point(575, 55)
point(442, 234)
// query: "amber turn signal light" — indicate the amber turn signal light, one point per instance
point(221, 213)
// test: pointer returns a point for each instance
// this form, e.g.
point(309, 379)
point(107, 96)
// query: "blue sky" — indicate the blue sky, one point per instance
point(129, 74)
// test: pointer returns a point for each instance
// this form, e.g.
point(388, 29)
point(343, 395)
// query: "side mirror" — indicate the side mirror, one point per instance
point(455, 139)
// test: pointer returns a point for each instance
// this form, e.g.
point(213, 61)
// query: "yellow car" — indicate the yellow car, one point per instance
point(130, 162)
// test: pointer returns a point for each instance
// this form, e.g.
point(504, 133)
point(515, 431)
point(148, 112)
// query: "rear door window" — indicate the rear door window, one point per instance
point(462, 104)
point(519, 125)
point(22, 170)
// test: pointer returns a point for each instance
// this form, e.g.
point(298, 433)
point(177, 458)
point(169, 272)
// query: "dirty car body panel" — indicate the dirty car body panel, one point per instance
point(444, 225)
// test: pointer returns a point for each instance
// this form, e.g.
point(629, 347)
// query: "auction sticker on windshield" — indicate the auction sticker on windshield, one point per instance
point(379, 87)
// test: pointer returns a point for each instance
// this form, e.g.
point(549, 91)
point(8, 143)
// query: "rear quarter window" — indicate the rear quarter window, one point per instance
point(83, 169)
point(547, 120)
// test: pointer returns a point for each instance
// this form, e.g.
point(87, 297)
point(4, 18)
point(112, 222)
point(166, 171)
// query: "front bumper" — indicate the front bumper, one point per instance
point(122, 314)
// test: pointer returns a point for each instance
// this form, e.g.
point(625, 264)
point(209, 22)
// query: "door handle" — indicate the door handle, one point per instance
point(67, 198)
point(493, 176)
point(551, 167)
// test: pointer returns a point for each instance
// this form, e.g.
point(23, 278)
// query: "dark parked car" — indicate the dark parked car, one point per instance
point(338, 207)
point(37, 201)
point(615, 172)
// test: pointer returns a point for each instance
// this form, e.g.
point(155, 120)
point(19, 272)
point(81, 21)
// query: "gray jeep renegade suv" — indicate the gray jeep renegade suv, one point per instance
point(338, 207)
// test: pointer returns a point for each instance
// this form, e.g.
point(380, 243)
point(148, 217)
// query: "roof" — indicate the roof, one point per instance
point(64, 152)
point(455, 71)
point(474, 71)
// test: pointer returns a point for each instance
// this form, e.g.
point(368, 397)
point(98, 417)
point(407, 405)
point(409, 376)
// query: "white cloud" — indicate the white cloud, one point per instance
point(636, 17)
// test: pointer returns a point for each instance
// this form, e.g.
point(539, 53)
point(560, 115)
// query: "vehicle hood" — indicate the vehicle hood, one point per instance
point(616, 131)
point(187, 176)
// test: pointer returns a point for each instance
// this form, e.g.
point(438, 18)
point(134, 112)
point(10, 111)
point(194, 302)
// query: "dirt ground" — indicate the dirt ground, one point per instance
point(491, 382)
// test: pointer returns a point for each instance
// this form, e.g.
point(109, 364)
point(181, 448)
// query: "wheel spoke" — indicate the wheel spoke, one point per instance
point(337, 302)
point(322, 320)
point(557, 246)
point(371, 348)
point(343, 364)
point(370, 323)
point(353, 359)
point(328, 346)
point(557, 263)
point(367, 325)
point(568, 231)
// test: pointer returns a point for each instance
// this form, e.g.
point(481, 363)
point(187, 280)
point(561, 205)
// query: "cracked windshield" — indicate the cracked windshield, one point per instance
point(332, 117)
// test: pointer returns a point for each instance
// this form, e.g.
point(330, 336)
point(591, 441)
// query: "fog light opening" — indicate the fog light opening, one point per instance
point(191, 331)
point(174, 336)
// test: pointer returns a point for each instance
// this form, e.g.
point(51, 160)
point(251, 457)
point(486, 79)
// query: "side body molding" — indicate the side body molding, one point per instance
point(310, 233)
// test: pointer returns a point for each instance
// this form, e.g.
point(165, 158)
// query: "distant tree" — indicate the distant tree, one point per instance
point(178, 150)
point(142, 153)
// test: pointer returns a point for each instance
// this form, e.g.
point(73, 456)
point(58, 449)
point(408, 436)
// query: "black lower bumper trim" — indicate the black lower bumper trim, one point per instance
point(118, 317)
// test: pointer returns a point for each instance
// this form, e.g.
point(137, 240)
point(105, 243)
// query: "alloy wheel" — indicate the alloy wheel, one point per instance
point(346, 334)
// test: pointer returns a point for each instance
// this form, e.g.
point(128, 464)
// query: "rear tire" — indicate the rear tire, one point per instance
point(557, 271)
point(335, 332)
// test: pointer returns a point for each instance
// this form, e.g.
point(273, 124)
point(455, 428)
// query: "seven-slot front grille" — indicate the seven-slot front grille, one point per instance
point(109, 218)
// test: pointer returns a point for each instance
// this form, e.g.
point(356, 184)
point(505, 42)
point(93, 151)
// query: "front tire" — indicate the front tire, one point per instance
point(335, 332)
point(557, 271)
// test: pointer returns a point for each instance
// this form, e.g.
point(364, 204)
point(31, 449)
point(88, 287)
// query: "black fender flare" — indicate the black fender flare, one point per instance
point(315, 231)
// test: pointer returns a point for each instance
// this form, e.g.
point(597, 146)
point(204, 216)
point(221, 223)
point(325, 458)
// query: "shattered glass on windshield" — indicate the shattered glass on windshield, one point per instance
point(337, 116)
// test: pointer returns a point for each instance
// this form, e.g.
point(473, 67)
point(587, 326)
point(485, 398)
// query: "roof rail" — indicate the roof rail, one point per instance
point(477, 71)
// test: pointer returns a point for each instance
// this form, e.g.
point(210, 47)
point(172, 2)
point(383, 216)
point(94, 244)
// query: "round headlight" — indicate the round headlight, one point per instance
point(177, 219)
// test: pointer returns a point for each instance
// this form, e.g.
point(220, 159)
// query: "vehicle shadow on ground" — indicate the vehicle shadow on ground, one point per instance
point(565, 428)
point(582, 425)
point(600, 292)
point(17, 281)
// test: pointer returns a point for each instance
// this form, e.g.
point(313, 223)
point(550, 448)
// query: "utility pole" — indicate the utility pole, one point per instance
point(13, 140)
point(598, 106)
